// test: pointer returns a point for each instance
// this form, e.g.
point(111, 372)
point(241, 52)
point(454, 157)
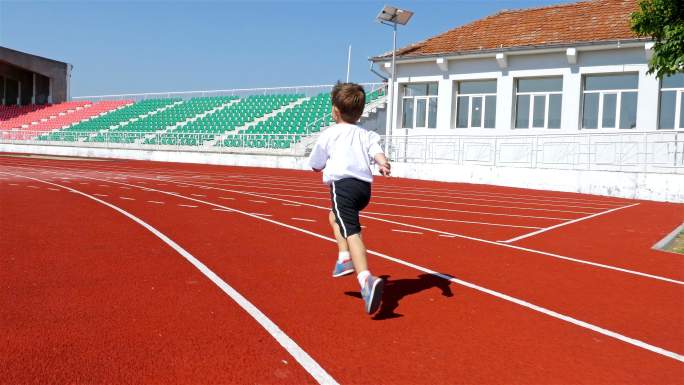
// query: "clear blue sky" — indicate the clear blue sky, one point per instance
point(147, 46)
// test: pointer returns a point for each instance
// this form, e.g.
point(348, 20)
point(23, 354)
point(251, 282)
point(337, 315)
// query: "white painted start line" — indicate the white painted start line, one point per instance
point(156, 202)
point(303, 219)
point(407, 231)
point(190, 206)
point(101, 195)
point(227, 198)
point(198, 195)
point(127, 198)
point(257, 201)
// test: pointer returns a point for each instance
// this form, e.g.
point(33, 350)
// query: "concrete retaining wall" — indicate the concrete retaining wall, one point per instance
point(636, 185)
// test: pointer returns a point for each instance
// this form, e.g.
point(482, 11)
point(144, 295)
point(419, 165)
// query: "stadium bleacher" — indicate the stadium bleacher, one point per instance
point(36, 116)
point(239, 114)
point(9, 112)
point(273, 121)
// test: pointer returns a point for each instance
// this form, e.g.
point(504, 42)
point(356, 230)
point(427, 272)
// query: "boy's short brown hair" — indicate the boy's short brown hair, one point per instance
point(350, 99)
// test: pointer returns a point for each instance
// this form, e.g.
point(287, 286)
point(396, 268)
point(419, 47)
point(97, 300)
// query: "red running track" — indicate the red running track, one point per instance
point(93, 297)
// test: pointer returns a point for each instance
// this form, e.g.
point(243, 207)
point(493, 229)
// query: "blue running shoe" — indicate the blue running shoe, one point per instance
point(343, 268)
point(372, 293)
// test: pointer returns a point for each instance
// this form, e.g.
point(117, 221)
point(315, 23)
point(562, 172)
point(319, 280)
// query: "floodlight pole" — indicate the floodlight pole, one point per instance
point(348, 62)
point(389, 125)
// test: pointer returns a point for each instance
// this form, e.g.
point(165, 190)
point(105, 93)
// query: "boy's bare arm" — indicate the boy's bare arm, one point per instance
point(383, 164)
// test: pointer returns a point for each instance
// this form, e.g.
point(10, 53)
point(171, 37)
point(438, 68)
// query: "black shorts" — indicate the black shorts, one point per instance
point(349, 196)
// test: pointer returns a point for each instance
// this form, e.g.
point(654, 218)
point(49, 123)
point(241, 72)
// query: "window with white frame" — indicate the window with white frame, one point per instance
point(671, 102)
point(419, 105)
point(609, 101)
point(538, 102)
point(476, 104)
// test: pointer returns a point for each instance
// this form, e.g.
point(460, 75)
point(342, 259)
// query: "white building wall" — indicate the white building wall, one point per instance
point(589, 61)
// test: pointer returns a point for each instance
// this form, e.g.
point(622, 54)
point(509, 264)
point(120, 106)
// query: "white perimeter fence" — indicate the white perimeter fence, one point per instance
point(653, 152)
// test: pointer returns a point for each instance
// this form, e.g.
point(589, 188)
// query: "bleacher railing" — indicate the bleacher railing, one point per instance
point(240, 92)
point(650, 152)
point(276, 144)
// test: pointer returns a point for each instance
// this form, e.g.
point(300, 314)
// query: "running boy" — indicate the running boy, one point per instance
point(344, 153)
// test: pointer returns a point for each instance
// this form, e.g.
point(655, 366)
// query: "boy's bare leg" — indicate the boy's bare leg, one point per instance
point(358, 252)
point(341, 242)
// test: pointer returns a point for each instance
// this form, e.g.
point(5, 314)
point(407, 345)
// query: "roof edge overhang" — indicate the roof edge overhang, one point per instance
point(520, 50)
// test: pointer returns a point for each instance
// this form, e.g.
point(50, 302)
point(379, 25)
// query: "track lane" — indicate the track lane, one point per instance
point(579, 296)
point(664, 266)
point(308, 179)
point(92, 299)
point(477, 333)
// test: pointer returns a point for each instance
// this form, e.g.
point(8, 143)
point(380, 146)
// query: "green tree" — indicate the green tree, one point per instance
point(662, 20)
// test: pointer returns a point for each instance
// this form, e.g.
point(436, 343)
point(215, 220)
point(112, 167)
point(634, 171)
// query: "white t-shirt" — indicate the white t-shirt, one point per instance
point(345, 151)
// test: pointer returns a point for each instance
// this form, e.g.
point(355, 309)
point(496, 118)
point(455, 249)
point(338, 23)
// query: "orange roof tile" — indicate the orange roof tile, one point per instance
point(564, 24)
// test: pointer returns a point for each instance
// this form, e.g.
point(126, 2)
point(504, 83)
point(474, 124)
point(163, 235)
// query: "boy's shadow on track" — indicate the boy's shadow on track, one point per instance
point(396, 290)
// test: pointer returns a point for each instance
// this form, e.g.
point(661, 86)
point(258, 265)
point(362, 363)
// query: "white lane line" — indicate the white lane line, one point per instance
point(454, 202)
point(291, 204)
point(127, 198)
point(31, 186)
point(407, 231)
point(302, 357)
point(227, 198)
point(101, 195)
point(257, 201)
point(422, 194)
point(191, 206)
point(156, 202)
point(451, 220)
point(303, 219)
point(506, 297)
point(456, 235)
point(273, 196)
point(565, 224)
point(198, 195)
point(53, 189)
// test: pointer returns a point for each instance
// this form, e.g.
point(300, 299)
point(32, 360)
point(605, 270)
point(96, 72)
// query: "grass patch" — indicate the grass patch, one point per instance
point(677, 246)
